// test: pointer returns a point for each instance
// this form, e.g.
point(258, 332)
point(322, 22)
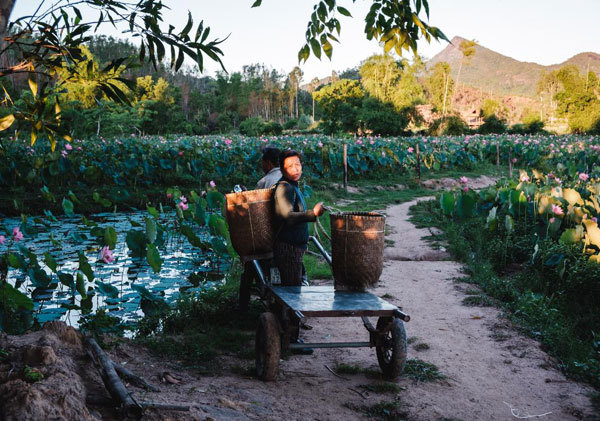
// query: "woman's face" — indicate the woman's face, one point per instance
point(292, 167)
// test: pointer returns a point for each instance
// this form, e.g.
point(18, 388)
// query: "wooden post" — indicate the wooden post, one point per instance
point(418, 163)
point(510, 169)
point(497, 153)
point(345, 167)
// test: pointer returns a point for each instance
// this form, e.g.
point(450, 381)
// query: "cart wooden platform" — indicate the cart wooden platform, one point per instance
point(278, 328)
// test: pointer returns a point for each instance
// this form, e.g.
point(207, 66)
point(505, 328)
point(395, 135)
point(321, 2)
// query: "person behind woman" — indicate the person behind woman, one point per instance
point(292, 218)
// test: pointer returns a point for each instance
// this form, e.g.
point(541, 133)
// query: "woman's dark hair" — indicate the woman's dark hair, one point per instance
point(286, 154)
point(271, 154)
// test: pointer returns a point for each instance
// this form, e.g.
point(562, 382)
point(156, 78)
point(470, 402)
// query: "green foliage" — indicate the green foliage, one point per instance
point(32, 375)
point(440, 86)
point(492, 124)
point(252, 126)
point(381, 118)
point(448, 126)
point(340, 103)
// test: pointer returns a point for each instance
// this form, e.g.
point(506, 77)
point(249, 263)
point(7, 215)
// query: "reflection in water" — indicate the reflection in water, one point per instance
point(63, 239)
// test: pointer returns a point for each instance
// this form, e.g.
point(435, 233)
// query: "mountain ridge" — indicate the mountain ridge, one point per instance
point(503, 75)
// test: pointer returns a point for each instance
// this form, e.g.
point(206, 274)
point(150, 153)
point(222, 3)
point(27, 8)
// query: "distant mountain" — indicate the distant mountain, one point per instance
point(502, 75)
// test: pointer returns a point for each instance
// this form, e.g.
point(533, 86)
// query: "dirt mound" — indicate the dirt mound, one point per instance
point(41, 375)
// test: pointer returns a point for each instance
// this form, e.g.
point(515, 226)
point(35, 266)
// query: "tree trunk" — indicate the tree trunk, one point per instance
point(446, 94)
point(457, 82)
point(6, 7)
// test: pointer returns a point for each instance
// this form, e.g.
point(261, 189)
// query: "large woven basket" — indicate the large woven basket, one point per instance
point(357, 240)
point(250, 218)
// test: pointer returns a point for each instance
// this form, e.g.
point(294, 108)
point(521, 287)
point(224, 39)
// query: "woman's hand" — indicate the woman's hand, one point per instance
point(319, 209)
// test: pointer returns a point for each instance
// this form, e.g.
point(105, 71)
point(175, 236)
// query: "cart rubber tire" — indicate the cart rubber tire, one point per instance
point(391, 355)
point(268, 347)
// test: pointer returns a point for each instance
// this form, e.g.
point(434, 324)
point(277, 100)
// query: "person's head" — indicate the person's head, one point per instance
point(290, 163)
point(270, 158)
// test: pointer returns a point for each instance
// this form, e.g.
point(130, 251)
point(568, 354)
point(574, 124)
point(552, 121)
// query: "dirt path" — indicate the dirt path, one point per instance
point(489, 367)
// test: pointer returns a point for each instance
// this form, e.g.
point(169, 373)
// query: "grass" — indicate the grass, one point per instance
point(422, 371)
point(385, 410)
point(421, 347)
point(381, 388)
point(202, 327)
point(317, 268)
point(477, 301)
point(342, 368)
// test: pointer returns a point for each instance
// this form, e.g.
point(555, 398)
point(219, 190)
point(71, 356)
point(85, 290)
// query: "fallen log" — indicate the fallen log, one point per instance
point(120, 396)
point(112, 382)
point(137, 380)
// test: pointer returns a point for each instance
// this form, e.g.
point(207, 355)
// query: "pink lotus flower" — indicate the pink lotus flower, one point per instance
point(594, 219)
point(359, 142)
point(17, 234)
point(169, 195)
point(464, 179)
point(551, 220)
point(228, 142)
point(383, 154)
point(524, 178)
point(466, 189)
point(320, 144)
point(583, 176)
point(410, 150)
point(183, 206)
point(2, 239)
point(181, 153)
point(68, 147)
point(64, 154)
point(557, 210)
point(79, 148)
point(183, 199)
point(514, 160)
point(106, 255)
point(212, 184)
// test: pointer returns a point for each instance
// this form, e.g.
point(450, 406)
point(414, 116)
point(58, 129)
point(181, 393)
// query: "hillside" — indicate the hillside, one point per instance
point(501, 75)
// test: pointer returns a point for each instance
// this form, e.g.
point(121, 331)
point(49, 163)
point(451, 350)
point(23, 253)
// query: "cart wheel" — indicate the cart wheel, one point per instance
point(391, 353)
point(268, 347)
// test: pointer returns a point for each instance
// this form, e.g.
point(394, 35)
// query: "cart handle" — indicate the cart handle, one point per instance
point(321, 249)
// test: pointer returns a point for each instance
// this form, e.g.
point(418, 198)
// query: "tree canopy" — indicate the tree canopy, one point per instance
point(51, 39)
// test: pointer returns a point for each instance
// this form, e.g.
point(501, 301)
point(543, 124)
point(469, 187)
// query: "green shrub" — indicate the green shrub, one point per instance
point(272, 128)
point(252, 126)
point(290, 124)
point(492, 124)
point(449, 126)
point(304, 122)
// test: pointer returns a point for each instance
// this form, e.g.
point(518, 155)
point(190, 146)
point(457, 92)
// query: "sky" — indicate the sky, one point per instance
point(541, 31)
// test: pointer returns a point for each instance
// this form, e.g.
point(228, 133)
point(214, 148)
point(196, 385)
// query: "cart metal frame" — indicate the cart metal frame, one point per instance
point(278, 328)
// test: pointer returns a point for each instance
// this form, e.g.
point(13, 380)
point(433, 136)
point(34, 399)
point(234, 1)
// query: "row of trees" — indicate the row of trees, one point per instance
point(378, 97)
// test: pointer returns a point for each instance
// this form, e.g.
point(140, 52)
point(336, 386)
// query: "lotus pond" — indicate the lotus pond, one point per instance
point(128, 264)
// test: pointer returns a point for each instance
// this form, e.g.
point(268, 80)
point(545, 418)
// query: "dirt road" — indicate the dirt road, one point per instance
point(492, 372)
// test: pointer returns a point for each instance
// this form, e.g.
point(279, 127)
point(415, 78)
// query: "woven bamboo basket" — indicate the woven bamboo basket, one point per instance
point(357, 240)
point(250, 218)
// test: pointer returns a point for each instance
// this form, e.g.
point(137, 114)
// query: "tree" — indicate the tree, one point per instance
point(577, 101)
point(52, 37)
point(340, 103)
point(314, 84)
point(379, 75)
point(440, 85)
point(295, 78)
point(467, 48)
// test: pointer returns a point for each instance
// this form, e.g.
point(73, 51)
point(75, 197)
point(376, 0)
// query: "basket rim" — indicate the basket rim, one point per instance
point(359, 214)
point(247, 191)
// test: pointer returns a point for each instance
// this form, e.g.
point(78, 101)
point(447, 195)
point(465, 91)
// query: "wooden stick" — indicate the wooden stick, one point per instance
point(137, 380)
point(418, 163)
point(360, 393)
point(497, 153)
point(113, 383)
point(345, 167)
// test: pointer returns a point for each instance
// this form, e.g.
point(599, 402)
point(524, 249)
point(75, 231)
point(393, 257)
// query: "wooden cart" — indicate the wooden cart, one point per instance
point(278, 328)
